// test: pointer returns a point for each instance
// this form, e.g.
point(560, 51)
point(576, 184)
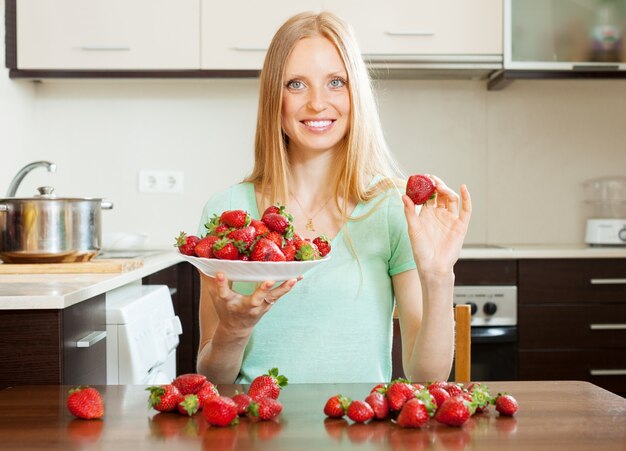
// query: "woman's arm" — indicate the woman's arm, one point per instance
point(426, 324)
point(227, 319)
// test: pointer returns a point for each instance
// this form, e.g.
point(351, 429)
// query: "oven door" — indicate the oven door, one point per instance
point(494, 353)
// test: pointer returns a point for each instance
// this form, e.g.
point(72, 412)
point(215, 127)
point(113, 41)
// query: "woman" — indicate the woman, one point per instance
point(319, 150)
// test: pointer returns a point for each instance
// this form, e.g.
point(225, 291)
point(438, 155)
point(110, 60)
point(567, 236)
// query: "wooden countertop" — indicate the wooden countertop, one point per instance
point(553, 415)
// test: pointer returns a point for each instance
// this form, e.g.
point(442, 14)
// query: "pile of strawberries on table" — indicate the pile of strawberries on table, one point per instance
point(412, 405)
point(235, 235)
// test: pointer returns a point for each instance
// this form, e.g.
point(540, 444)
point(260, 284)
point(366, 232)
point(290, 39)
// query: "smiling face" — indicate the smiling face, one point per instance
point(316, 99)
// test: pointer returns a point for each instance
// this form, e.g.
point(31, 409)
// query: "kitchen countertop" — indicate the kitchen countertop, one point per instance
point(58, 291)
point(553, 415)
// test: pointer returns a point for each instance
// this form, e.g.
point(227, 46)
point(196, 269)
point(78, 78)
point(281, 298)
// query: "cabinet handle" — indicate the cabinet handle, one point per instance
point(104, 48)
point(91, 339)
point(410, 33)
point(250, 49)
point(607, 326)
point(607, 281)
point(608, 372)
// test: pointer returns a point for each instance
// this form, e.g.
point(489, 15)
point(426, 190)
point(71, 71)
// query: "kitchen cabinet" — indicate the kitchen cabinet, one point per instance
point(41, 346)
point(184, 284)
point(572, 321)
point(236, 39)
point(428, 27)
point(107, 34)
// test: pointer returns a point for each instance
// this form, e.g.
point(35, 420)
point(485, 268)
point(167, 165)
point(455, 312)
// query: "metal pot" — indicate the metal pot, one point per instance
point(50, 229)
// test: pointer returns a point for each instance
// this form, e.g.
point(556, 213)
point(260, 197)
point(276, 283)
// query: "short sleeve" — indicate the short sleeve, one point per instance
point(399, 244)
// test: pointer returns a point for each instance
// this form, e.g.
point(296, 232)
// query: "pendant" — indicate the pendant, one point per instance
point(309, 225)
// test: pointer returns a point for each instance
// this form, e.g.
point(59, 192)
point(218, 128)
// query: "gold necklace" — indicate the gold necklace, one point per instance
point(309, 218)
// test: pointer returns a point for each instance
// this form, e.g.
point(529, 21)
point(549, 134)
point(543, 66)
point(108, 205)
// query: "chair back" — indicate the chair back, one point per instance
point(462, 343)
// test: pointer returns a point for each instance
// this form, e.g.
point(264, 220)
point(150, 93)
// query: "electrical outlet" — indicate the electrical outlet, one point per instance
point(160, 181)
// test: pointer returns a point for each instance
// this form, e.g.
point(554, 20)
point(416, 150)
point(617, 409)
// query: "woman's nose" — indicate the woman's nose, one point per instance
point(317, 100)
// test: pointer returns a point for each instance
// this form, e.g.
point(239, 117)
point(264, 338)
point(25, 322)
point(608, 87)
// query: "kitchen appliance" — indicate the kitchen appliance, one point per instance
point(494, 330)
point(50, 229)
point(142, 335)
point(606, 200)
point(563, 39)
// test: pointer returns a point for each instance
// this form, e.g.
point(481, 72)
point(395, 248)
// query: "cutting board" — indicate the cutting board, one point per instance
point(113, 265)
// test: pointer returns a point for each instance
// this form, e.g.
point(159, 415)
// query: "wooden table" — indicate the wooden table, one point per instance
point(566, 415)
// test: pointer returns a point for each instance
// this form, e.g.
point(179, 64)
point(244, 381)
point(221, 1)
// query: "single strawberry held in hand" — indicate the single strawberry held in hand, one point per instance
point(85, 403)
point(267, 385)
point(420, 188)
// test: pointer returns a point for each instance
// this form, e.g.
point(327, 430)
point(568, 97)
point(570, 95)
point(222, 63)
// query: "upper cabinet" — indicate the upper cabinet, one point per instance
point(237, 36)
point(424, 27)
point(107, 34)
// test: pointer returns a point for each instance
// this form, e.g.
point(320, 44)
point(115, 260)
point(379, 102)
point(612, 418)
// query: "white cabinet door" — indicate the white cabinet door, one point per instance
point(108, 34)
point(427, 27)
point(236, 35)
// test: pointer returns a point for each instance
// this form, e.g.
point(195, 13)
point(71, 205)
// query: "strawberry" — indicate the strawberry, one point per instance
point(360, 411)
point(379, 404)
point(260, 227)
point(295, 240)
point(276, 238)
point(266, 251)
point(289, 251)
point(265, 408)
point(279, 223)
point(439, 395)
point(206, 392)
point(413, 414)
point(453, 389)
point(278, 209)
point(243, 238)
point(242, 401)
point(186, 243)
point(224, 249)
point(188, 384)
point(305, 250)
point(189, 405)
point(222, 230)
point(441, 384)
point(454, 411)
point(417, 386)
point(398, 393)
point(267, 385)
point(323, 245)
point(235, 218)
point(204, 247)
point(336, 406)
point(164, 398)
point(428, 400)
point(380, 388)
point(220, 411)
point(85, 402)
point(506, 404)
point(420, 188)
point(480, 396)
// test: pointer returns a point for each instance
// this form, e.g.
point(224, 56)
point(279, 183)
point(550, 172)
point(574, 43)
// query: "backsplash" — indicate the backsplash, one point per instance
point(523, 151)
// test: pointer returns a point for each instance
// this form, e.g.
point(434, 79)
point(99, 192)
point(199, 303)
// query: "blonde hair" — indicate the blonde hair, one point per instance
point(364, 151)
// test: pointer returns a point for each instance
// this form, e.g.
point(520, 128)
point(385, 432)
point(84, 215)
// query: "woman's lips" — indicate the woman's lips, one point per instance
point(320, 125)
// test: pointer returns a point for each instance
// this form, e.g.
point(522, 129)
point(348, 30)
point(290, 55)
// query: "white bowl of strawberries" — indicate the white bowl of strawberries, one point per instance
point(251, 250)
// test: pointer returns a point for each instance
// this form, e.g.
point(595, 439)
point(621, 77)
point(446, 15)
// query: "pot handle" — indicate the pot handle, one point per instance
point(105, 205)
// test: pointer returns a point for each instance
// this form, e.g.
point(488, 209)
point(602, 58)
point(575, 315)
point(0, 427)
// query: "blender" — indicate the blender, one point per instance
point(606, 198)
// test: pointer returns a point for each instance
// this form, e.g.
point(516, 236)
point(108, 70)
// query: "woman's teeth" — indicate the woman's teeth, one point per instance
point(317, 124)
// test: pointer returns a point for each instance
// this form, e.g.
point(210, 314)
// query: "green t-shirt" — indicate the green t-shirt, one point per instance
point(336, 324)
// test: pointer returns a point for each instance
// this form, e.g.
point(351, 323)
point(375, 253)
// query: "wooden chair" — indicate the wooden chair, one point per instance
point(462, 343)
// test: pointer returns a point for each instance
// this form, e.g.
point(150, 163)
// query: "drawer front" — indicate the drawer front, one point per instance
point(605, 368)
point(572, 326)
point(572, 280)
point(485, 272)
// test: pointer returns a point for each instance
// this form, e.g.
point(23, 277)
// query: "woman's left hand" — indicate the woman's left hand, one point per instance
point(438, 231)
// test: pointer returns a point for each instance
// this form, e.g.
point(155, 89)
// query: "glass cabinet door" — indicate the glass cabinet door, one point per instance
point(565, 34)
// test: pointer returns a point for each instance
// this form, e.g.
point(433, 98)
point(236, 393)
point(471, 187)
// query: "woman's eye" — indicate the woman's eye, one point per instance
point(337, 83)
point(295, 84)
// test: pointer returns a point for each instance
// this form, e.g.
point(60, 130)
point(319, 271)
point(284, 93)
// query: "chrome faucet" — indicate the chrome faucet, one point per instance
point(15, 183)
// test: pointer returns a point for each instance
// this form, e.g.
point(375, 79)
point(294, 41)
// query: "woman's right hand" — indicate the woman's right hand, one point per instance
point(238, 313)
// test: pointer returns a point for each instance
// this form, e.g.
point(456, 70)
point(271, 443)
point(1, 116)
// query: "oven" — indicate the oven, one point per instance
point(494, 330)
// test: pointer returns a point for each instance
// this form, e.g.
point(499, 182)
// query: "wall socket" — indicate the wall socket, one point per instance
point(160, 181)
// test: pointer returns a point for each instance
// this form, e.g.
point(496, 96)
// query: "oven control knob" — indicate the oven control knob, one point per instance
point(622, 234)
point(473, 306)
point(490, 308)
